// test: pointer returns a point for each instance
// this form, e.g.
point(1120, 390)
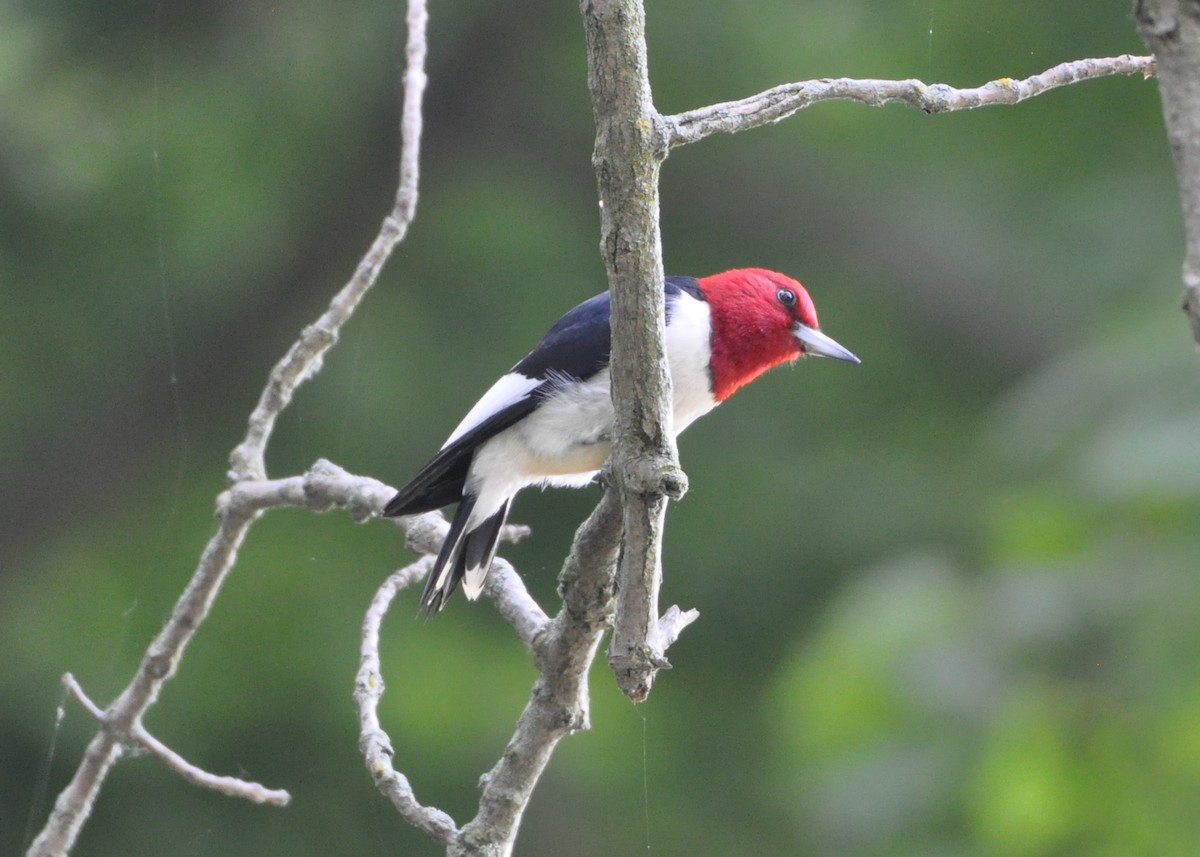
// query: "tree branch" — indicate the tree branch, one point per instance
point(1171, 29)
point(122, 720)
point(780, 102)
point(631, 144)
point(303, 359)
point(672, 623)
point(564, 649)
point(323, 488)
point(558, 704)
point(373, 741)
point(515, 604)
point(231, 786)
point(74, 803)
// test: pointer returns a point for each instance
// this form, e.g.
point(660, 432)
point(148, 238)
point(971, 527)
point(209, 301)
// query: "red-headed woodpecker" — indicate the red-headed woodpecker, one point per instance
point(549, 421)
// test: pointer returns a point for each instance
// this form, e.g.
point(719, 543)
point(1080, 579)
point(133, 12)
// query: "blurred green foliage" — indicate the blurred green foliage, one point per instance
point(948, 597)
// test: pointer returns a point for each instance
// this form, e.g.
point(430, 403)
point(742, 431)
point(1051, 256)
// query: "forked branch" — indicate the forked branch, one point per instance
point(122, 720)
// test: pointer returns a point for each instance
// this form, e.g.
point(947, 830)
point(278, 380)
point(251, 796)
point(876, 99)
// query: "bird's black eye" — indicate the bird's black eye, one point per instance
point(786, 297)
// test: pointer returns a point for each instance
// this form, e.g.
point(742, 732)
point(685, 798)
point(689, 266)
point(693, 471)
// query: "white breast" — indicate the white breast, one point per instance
point(689, 351)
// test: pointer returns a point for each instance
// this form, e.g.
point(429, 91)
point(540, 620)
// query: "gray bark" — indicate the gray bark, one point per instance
point(631, 144)
point(1171, 28)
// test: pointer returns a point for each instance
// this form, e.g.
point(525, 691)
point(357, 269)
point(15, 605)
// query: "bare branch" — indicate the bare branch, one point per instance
point(1173, 34)
point(373, 741)
point(327, 486)
point(631, 144)
point(302, 361)
point(266, 494)
point(74, 803)
point(780, 102)
point(558, 704)
point(231, 786)
point(515, 604)
point(226, 785)
point(81, 697)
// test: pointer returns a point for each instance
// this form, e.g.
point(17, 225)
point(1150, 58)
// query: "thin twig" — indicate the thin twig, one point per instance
point(71, 684)
point(780, 102)
point(231, 786)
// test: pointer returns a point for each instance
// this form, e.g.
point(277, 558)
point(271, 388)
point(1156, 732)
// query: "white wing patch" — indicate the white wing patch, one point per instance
point(511, 388)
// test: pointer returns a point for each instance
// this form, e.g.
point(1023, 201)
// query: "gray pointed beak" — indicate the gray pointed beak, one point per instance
point(820, 345)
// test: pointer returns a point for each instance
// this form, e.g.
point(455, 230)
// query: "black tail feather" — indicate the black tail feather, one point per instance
point(481, 544)
point(462, 554)
point(442, 580)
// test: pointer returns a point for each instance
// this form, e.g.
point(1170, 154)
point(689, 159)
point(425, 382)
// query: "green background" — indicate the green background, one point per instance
point(948, 597)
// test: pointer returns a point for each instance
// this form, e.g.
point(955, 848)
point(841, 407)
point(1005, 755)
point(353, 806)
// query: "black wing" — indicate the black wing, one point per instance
point(440, 482)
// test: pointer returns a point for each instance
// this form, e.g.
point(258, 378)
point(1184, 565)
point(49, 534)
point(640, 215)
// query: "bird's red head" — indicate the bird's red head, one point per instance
point(760, 319)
